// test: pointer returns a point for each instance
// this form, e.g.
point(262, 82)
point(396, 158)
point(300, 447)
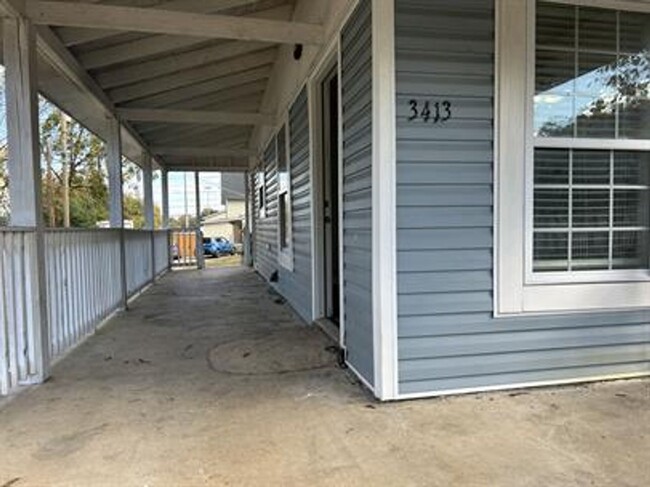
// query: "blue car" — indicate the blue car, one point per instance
point(218, 246)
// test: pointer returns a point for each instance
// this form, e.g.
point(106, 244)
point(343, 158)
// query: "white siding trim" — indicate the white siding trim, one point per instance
point(384, 203)
point(285, 256)
point(341, 202)
point(510, 151)
point(316, 174)
point(361, 378)
point(522, 385)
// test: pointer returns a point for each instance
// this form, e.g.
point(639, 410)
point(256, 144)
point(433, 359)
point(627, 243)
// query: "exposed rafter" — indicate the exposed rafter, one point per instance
point(133, 50)
point(200, 151)
point(177, 62)
point(157, 21)
point(204, 88)
point(191, 116)
point(73, 36)
point(191, 77)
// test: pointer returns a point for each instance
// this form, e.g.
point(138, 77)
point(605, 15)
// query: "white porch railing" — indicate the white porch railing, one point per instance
point(161, 251)
point(17, 275)
point(138, 251)
point(84, 285)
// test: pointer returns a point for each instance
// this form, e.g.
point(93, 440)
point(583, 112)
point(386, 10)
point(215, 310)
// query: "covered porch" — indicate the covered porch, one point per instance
point(172, 86)
point(209, 380)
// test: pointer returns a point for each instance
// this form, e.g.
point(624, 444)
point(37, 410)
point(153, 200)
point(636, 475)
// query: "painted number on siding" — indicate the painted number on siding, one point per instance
point(436, 112)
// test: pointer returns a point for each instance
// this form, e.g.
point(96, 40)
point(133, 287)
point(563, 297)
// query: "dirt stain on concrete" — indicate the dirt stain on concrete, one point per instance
point(63, 446)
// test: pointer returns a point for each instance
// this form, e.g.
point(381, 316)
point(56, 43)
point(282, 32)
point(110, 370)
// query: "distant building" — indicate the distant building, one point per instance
point(229, 223)
point(128, 224)
point(232, 187)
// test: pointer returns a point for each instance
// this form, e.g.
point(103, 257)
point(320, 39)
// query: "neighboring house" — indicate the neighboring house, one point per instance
point(228, 224)
point(483, 223)
point(233, 187)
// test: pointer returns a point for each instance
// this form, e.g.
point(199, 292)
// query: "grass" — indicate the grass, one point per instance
point(224, 261)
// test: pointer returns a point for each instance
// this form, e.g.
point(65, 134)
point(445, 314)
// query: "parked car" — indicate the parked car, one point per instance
point(217, 246)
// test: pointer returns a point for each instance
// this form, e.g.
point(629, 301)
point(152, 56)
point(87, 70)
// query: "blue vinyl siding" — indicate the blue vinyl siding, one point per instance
point(448, 338)
point(266, 225)
point(356, 87)
point(296, 285)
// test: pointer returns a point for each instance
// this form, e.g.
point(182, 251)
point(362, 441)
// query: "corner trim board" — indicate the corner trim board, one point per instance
point(384, 202)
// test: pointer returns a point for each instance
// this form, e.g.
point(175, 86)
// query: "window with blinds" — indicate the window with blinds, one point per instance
point(591, 133)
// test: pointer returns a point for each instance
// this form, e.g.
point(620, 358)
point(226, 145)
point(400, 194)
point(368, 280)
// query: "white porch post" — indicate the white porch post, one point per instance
point(247, 227)
point(116, 197)
point(114, 160)
point(20, 58)
point(149, 224)
point(200, 260)
point(148, 191)
point(165, 199)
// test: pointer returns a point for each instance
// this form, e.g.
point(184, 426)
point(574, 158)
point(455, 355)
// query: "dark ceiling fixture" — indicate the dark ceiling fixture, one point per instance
point(297, 52)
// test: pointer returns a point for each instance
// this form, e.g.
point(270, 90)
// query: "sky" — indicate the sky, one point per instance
point(210, 192)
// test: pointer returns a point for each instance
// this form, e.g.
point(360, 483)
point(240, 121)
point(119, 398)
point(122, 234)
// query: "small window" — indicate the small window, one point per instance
point(285, 253)
point(261, 201)
point(284, 222)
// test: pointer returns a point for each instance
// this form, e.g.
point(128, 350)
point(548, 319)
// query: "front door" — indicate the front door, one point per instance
point(331, 195)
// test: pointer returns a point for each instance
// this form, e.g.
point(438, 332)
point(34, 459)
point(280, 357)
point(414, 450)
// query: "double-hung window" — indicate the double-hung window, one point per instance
point(285, 246)
point(579, 164)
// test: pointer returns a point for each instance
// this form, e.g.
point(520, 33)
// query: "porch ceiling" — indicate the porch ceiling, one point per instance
point(189, 76)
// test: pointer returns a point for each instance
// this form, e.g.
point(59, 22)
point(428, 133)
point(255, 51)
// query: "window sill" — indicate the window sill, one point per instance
point(582, 298)
point(588, 277)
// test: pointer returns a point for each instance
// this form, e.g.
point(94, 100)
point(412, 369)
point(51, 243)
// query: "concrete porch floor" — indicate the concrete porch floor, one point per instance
point(209, 381)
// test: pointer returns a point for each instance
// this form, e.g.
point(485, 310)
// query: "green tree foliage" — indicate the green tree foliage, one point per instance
point(73, 161)
point(71, 151)
point(4, 180)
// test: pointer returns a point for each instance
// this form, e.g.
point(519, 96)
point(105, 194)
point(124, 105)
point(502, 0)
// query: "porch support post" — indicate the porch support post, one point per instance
point(165, 198)
point(114, 161)
point(20, 58)
point(149, 224)
point(165, 214)
point(147, 170)
point(116, 197)
point(247, 234)
point(200, 260)
point(384, 203)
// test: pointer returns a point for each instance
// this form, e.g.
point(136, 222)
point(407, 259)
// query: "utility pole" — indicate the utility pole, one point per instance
point(51, 213)
point(65, 160)
point(187, 216)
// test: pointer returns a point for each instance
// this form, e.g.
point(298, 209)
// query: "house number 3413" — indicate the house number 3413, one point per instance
point(436, 112)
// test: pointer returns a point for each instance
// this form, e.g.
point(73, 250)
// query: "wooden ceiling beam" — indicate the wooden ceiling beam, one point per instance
point(200, 151)
point(74, 36)
point(193, 116)
point(155, 21)
point(131, 51)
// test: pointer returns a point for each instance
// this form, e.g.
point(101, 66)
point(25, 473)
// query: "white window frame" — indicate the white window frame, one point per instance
point(517, 289)
point(261, 191)
point(285, 254)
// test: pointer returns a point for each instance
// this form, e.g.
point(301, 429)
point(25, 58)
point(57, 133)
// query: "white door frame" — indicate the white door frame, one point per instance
point(330, 61)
